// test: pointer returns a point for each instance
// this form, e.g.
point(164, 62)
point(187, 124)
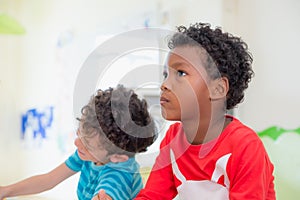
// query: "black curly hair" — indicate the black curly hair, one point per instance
point(229, 53)
point(122, 120)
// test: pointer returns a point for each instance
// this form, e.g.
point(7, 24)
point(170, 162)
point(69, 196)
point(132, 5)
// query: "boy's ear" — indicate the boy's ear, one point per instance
point(115, 158)
point(219, 88)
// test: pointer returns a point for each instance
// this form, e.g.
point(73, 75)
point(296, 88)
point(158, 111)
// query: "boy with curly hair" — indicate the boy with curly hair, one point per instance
point(208, 154)
point(114, 126)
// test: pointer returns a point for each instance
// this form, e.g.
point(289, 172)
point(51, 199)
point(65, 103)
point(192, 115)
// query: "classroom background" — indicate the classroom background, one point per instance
point(44, 45)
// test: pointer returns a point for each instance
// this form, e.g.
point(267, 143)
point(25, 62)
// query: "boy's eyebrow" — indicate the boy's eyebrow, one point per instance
point(180, 64)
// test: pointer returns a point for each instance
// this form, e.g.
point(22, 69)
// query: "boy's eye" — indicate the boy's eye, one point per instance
point(181, 73)
point(165, 74)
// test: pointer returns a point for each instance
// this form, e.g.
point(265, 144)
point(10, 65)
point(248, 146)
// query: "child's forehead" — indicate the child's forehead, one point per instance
point(87, 132)
point(91, 139)
point(191, 56)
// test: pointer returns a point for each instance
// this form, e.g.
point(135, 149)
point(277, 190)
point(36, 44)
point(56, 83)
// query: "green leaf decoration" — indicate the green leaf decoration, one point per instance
point(274, 132)
point(297, 130)
point(9, 25)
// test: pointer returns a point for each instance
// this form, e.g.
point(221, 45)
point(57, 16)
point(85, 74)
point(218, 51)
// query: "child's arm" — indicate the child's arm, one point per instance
point(38, 183)
point(251, 173)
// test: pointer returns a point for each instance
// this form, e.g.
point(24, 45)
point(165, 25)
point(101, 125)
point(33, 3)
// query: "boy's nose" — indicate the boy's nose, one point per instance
point(77, 142)
point(164, 86)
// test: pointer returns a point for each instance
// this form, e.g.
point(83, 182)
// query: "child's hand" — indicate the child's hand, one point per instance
point(102, 196)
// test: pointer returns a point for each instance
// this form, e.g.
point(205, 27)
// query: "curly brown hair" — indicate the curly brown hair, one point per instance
point(121, 119)
point(229, 53)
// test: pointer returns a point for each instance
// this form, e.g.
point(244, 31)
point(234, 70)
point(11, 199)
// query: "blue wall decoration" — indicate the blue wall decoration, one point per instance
point(37, 121)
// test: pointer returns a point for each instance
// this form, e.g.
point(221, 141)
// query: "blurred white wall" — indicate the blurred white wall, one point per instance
point(271, 29)
point(30, 64)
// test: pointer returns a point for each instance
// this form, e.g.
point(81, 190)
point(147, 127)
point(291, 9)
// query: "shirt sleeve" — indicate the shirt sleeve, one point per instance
point(160, 184)
point(74, 162)
point(117, 184)
point(251, 173)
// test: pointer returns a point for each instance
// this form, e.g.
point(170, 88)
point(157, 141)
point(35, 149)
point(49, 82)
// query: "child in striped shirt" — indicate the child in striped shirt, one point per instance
point(114, 126)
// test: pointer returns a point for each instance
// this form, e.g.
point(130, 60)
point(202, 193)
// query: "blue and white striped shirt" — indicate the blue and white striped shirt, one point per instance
point(121, 181)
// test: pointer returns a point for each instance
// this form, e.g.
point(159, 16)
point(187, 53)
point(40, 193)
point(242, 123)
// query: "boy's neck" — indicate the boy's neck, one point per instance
point(204, 131)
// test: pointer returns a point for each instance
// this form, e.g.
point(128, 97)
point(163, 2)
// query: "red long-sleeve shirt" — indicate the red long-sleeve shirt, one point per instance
point(234, 166)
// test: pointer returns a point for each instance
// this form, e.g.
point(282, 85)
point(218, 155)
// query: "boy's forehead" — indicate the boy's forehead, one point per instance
point(86, 132)
point(92, 139)
point(192, 55)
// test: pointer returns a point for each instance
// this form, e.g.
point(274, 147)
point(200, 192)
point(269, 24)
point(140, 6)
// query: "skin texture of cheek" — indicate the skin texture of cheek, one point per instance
point(82, 151)
point(171, 113)
point(187, 103)
point(171, 110)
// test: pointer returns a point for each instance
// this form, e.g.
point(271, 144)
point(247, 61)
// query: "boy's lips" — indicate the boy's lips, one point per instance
point(163, 100)
point(80, 152)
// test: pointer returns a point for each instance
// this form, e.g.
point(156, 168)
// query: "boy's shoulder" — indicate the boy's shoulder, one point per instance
point(238, 127)
point(239, 134)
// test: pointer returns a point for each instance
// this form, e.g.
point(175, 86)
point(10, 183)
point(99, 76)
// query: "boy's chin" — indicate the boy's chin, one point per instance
point(169, 117)
point(83, 156)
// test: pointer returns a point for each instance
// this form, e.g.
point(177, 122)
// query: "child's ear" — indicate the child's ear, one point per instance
point(115, 158)
point(219, 88)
